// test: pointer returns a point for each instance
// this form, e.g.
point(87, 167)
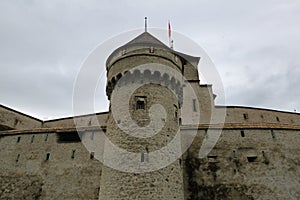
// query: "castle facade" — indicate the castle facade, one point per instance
point(148, 145)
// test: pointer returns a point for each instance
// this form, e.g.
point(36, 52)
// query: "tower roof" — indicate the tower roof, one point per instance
point(147, 40)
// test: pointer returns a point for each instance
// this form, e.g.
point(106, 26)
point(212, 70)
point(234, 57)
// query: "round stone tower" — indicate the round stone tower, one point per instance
point(142, 157)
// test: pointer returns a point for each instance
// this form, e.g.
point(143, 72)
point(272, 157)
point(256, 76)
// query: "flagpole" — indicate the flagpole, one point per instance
point(145, 24)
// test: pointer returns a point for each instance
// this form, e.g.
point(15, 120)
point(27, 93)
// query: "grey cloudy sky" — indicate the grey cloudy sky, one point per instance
point(254, 45)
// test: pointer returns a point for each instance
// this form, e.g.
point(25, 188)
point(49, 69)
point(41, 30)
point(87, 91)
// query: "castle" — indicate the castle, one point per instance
point(147, 145)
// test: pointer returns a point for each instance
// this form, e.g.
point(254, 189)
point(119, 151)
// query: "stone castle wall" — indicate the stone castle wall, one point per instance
point(235, 114)
point(11, 119)
point(47, 165)
point(98, 119)
point(258, 164)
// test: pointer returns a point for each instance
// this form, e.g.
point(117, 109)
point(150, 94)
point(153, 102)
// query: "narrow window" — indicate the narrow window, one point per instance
point(212, 158)
point(180, 121)
point(206, 134)
point(245, 116)
point(140, 103)
point(46, 137)
point(18, 139)
point(277, 118)
point(242, 133)
point(73, 154)
point(18, 157)
point(92, 155)
point(143, 157)
point(151, 50)
point(194, 105)
point(90, 123)
point(16, 122)
point(47, 156)
point(266, 160)
point(251, 158)
point(175, 112)
point(273, 134)
point(32, 139)
point(92, 136)
point(234, 153)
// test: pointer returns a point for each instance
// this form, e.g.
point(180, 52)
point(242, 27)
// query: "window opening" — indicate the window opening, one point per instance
point(47, 156)
point(16, 122)
point(18, 139)
point(242, 133)
point(143, 157)
point(73, 154)
point(140, 103)
point(234, 153)
point(212, 158)
point(273, 134)
point(251, 158)
point(18, 157)
point(194, 105)
point(92, 136)
point(92, 155)
point(32, 139)
point(175, 112)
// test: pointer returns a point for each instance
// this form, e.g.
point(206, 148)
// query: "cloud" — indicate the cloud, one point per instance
point(253, 44)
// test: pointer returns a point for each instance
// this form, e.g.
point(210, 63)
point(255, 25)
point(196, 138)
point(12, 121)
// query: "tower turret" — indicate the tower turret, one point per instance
point(144, 86)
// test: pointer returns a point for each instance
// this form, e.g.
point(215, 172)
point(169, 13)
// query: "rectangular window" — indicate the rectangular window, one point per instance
point(194, 105)
point(140, 103)
point(175, 112)
point(212, 158)
point(73, 154)
point(92, 135)
point(251, 158)
point(68, 137)
point(47, 156)
point(234, 154)
point(32, 139)
point(46, 137)
point(245, 116)
point(242, 133)
point(92, 155)
point(18, 139)
point(142, 157)
point(18, 157)
point(273, 134)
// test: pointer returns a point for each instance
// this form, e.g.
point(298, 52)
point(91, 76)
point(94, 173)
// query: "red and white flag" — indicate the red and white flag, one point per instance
point(169, 29)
